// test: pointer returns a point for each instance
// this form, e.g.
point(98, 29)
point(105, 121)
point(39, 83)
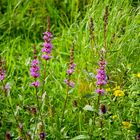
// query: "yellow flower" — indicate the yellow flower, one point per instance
point(138, 75)
point(118, 93)
point(126, 124)
point(114, 117)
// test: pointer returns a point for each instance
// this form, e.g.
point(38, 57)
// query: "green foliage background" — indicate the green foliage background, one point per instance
point(22, 23)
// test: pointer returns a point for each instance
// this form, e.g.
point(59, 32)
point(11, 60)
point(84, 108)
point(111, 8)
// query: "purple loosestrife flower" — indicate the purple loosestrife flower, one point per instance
point(34, 70)
point(71, 68)
point(47, 46)
point(100, 91)
point(101, 77)
point(36, 84)
point(6, 87)
point(35, 62)
point(69, 83)
point(2, 74)
point(46, 56)
point(2, 71)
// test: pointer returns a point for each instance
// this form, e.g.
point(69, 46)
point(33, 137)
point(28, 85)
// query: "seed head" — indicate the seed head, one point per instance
point(103, 109)
point(42, 135)
point(8, 136)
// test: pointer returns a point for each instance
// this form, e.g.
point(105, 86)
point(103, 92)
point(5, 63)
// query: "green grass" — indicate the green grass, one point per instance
point(22, 23)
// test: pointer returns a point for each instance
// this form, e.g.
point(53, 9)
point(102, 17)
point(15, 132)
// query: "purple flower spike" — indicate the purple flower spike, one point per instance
point(47, 46)
point(46, 50)
point(100, 91)
point(45, 37)
point(36, 84)
point(73, 66)
point(35, 62)
point(69, 83)
point(7, 87)
point(2, 74)
point(46, 56)
point(101, 77)
point(48, 34)
point(71, 69)
point(34, 71)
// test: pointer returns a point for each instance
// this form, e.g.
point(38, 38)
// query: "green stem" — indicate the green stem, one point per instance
point(43, 89)
point(43, 86)
point(98, 102)
point(38, 105)
point(39, 111)
point(65, 103)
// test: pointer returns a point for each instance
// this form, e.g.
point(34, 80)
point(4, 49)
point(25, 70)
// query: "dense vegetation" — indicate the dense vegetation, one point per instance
point(85, 33)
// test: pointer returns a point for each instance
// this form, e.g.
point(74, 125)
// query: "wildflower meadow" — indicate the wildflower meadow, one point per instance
point(69, 69)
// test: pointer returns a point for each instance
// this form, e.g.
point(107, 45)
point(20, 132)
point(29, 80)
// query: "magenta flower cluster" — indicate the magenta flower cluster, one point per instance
point(47, 46)
point(71, 69)
point(69, 83)
point(70, 72)
point(101, 77)
point(34, 71)
point(6, 87)
point(2, 74)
